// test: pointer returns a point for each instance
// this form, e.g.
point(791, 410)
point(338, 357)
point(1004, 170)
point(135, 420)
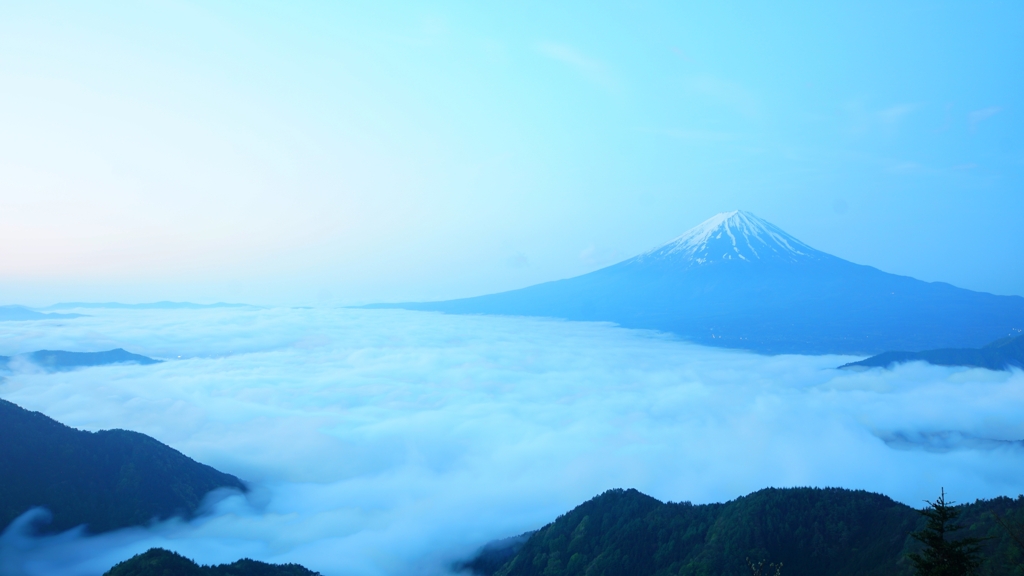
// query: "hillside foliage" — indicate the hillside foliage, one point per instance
point(160, 562)
point(105, 480)
point(809, 531)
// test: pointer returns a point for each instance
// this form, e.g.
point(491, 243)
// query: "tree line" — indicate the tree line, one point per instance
point(772, 532)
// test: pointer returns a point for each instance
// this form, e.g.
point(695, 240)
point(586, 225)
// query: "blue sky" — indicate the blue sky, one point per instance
point(314, 153)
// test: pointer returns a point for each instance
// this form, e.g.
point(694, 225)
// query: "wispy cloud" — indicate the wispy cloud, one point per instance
point(976, 117)
point(896, 113)
point(866, 118)
point(517, 260)
point(906, 167)
point(682, 55)
point(727, 93)
point(701, 135)
point(591, 69)
point(594, 256)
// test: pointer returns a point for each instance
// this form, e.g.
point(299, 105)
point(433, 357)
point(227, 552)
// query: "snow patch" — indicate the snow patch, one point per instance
point(737, 236)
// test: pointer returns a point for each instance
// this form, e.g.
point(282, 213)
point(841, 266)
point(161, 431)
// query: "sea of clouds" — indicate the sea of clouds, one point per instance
point(384, 442)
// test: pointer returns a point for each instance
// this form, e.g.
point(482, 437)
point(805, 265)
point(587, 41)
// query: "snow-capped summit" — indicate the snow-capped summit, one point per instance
point(732, 236)
point(740, 282)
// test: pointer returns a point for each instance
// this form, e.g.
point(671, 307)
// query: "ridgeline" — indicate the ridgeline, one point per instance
point(160, 562)
point(1003, 354)
point(810, 531)
point(105, 480)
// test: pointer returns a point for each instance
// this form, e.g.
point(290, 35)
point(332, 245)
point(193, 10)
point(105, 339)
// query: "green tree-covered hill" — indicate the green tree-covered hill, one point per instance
point(106, 480)
point(811, 531)
point(160, 562)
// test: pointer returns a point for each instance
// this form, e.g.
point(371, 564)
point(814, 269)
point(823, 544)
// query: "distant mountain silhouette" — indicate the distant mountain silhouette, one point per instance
point(164, 305)
point(740, 282)
point(1002, 354)
point(160, 562)
point(23, 313)
point(62, 360)
point(59, 360)
point(811, 531)
point(106, 480)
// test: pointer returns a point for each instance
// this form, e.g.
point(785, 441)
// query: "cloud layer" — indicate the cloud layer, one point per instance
point(394, 442)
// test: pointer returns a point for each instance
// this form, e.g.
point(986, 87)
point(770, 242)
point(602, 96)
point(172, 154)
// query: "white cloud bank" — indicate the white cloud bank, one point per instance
point(392, 443)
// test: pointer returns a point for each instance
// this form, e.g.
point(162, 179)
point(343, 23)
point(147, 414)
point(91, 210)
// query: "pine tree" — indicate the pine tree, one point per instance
point(943, 556)
point(759, 569)
point(1015, 530)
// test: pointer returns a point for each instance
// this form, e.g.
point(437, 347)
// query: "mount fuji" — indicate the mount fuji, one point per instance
point(738, 281)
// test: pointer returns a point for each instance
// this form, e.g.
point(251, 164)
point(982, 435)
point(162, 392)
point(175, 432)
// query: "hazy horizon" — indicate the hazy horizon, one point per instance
point(326, 298)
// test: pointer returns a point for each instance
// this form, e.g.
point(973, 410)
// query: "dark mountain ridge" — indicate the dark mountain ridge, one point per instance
point(59, 360)
point(737, 281)
point(1003, 354)
point(160, 562)
point(811, 531)
point(105, 480)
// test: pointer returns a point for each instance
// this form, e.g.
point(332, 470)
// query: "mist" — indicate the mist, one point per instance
point(394, 442)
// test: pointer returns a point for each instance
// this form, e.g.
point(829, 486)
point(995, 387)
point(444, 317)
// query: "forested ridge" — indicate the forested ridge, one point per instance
point(811, 531)
point(1003, 354)
point(160, 562)
point(105, 480)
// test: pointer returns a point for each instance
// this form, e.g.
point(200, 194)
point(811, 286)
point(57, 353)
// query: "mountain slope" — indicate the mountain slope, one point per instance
point(1002, 354)
point(740, 282)
point(811, 531)
point(106, 480)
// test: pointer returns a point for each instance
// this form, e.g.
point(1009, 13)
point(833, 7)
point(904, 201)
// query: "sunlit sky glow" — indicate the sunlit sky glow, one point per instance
point(319, 153)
